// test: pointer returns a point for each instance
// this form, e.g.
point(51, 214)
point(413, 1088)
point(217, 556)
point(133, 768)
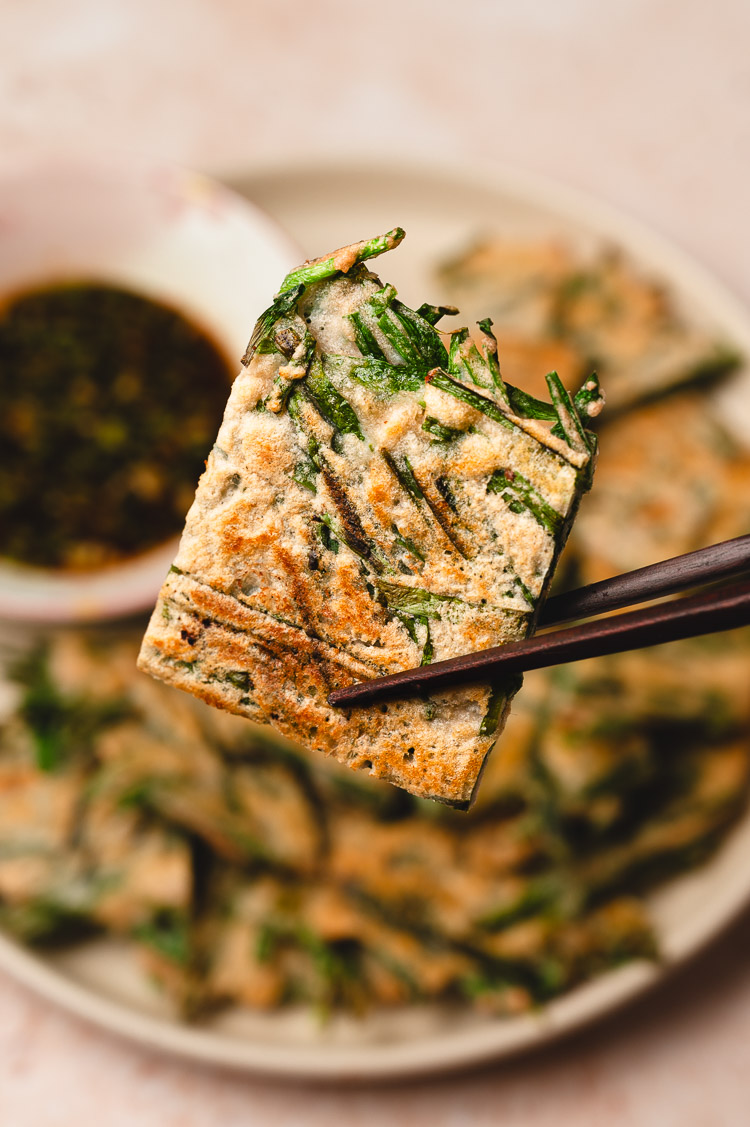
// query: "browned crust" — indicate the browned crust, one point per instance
point(291, 674)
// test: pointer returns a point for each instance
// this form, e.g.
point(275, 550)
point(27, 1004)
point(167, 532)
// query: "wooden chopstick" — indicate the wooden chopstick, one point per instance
point(694, 569)
point(705, 613)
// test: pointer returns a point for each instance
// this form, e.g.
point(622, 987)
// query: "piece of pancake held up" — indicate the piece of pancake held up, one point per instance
point(377, 497)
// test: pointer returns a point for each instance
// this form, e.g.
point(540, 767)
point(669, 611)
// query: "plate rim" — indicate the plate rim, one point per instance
point(582, 207)
point(326, 1063)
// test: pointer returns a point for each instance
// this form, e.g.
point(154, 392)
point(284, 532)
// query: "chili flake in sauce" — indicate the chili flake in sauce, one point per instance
point(109, 404)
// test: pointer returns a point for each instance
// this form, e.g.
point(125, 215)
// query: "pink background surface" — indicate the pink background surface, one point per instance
point(644, 104)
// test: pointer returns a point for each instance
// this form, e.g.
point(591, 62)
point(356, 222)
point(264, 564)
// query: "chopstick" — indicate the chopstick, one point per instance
point(695, 569)
point(705, 613)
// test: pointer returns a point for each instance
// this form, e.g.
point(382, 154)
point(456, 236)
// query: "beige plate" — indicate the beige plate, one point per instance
point(322, 208)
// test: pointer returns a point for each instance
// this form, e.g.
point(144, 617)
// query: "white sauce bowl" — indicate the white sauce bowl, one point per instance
point(161, 231)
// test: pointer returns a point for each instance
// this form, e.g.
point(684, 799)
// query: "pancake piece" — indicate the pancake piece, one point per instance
point(376, 499)
point(664, 479)
point(594, 310)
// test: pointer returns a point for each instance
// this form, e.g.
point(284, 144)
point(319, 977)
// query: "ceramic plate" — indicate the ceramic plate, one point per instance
point(441, 209)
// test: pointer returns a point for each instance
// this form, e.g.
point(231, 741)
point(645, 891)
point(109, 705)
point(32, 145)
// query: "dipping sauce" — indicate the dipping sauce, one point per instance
point(109, 404)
